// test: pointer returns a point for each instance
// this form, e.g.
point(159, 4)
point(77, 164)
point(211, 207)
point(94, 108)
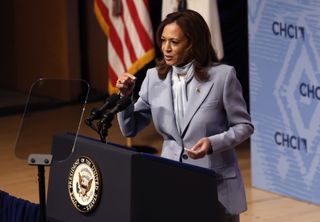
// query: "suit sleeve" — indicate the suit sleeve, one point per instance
point(137, 116)
point(239, 126)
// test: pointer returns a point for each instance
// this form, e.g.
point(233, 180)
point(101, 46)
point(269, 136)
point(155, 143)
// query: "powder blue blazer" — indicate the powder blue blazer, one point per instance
point(215, 109)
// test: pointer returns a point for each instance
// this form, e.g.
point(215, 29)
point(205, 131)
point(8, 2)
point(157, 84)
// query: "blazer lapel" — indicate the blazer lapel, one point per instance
point(198, 91)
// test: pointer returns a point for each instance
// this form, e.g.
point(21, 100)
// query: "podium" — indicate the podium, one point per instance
point(134, 186)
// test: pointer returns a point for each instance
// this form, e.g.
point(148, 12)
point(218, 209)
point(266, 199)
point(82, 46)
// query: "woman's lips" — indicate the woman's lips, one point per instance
point(168, 57)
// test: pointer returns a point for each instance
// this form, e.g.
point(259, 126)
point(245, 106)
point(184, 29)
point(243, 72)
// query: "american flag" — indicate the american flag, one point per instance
point(130, 37)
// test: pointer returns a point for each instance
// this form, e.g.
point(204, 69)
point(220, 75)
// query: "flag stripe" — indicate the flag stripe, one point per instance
point(128, 26)
point(114, 60)
point(112, 75)
point(130, 37)
point(113, 34)
point(129, 45)
point(138, 49)
point(101, 12)
point(143, 14)
point(143, 35)
point(133, 33)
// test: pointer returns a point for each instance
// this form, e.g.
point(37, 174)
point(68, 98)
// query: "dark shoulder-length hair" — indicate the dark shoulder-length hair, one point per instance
point(200, 49)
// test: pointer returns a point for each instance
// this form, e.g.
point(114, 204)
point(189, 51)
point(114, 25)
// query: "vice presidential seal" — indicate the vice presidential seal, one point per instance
point(84, 184)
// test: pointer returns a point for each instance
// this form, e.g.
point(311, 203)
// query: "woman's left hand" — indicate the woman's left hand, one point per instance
point(200, 149)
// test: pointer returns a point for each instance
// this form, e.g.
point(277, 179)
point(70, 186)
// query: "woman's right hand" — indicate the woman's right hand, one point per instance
point(125, 84)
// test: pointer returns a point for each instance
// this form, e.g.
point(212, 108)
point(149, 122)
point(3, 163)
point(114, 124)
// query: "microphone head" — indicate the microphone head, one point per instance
point(123, 103)
point(95, 112)
point(111, 101)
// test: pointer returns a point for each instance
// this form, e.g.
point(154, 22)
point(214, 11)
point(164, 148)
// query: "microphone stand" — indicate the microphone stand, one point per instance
point(104, 125)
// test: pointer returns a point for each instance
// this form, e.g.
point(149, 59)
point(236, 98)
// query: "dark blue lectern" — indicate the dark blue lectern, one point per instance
point(135, 187)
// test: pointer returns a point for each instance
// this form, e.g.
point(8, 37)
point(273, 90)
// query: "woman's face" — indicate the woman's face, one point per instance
point(174, 44)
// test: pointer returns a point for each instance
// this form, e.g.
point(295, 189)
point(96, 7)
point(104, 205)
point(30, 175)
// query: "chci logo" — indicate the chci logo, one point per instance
point(84, 184)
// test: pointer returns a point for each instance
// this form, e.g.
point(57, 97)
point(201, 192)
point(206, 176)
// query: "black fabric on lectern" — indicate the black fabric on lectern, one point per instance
point(137, 187)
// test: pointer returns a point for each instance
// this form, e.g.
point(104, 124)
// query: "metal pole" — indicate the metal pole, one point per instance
point(42, 193)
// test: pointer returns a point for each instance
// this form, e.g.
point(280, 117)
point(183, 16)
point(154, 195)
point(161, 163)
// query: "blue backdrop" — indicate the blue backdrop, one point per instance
point(284, 63)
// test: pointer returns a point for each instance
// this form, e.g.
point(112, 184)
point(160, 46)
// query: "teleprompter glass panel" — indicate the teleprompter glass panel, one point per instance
point(53, 106)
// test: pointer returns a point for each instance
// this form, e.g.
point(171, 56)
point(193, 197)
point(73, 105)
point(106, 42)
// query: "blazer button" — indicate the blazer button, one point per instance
point(185, 156)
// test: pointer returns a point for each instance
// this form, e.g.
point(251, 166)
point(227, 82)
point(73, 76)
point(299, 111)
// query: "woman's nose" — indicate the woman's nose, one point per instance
point(167, 47)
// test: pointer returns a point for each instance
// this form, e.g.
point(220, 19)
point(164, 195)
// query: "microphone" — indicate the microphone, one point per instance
point(121, 104)
point(97, 113)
